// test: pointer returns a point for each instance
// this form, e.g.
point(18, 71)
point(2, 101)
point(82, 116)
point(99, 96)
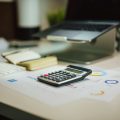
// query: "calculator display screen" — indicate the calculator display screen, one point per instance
point(74, 70)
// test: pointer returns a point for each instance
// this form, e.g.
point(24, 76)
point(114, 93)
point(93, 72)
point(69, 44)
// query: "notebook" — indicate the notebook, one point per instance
point(85, 20)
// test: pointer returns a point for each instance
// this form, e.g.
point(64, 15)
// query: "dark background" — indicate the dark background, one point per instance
point(93, 10)
point(8, 20)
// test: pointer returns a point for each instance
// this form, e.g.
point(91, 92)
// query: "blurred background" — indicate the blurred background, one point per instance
point(20, 19)
point(50, 12)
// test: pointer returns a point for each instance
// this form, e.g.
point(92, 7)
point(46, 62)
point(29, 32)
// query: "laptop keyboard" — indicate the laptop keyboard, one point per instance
point(86, 27)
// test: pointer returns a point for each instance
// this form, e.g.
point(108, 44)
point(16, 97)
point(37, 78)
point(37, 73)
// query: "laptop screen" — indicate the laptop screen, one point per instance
point(93, 10)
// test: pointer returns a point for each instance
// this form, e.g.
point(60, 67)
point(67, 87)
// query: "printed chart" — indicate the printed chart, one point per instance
point(102, 85)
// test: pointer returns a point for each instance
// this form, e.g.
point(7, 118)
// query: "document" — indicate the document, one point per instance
point(101, 85)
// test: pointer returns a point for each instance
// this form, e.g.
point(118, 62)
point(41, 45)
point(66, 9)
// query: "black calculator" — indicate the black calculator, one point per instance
point(67, 75)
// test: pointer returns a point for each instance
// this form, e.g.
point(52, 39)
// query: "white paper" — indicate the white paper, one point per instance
point(93, 87)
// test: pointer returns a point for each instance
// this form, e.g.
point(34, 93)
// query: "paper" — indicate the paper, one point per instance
point(102, 85)
point(21, 56)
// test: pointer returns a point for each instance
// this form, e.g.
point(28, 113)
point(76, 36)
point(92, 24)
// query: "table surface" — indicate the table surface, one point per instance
point(82, 109)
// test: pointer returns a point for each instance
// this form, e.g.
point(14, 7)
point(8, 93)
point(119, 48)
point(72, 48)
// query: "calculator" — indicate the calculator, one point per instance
point(67, 75)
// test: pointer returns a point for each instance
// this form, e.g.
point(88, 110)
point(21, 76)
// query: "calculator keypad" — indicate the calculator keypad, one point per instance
point(58, 76)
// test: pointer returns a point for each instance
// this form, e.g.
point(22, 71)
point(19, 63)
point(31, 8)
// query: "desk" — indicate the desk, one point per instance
point(82, 109)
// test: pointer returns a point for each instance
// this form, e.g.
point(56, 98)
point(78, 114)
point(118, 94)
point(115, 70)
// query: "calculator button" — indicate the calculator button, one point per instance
point(65, 78)
point(54, 79)
point(41, 76)
point(59, 80)
point(69, 77)
point(45, 74)
point(73, 75)
point(49, 73)
point(50, 78)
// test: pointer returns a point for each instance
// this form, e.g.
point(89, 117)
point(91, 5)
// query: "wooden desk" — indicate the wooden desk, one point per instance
point(83, 109)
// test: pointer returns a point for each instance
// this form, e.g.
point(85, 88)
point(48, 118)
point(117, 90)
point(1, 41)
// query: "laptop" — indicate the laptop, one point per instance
point(85, 20)
point(89, 29)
